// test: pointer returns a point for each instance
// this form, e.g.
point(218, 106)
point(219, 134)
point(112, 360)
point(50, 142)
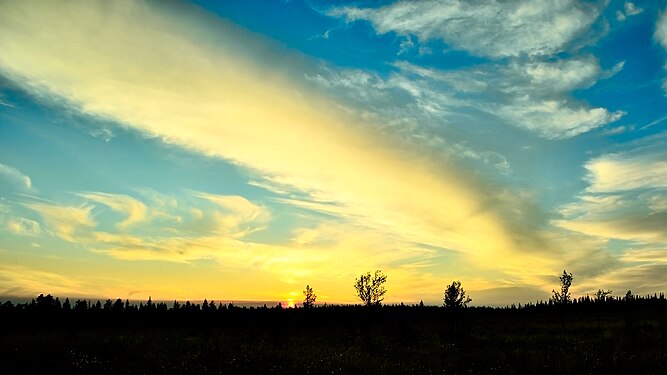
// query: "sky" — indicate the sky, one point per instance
point(240, 150)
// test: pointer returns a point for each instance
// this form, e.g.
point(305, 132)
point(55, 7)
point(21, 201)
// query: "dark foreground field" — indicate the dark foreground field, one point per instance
point(590, 339)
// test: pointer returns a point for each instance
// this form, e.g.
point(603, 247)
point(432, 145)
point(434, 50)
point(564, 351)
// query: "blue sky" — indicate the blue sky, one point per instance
point(241, 150)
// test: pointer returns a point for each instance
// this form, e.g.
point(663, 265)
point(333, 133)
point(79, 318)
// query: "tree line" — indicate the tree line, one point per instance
point(369, 288)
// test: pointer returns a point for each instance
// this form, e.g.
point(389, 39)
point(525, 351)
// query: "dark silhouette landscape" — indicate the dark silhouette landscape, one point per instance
point(585, 335)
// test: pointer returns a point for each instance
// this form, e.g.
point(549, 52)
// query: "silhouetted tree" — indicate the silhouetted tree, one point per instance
point(118, 306)
point(81, 305)
point(563, 297)
point(309, 297)
point(601, 295)
point(628, 296)
point(370, 289)
point(455, 296)
point(67, 306)
point(46, 303)
point(150, 306)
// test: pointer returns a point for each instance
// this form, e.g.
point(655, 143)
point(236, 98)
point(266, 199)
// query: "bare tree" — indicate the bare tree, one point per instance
point(563, 297)
point(370, 289)
point(309, 297)
point(455, 296)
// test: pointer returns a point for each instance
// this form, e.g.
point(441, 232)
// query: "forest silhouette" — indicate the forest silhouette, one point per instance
point(598, 334)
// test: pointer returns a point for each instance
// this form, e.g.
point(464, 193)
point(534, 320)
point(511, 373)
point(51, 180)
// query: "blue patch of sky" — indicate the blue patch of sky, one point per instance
point(636, 89)
point(304, 26)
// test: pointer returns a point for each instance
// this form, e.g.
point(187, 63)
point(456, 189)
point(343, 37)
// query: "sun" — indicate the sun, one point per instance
point(290, 303)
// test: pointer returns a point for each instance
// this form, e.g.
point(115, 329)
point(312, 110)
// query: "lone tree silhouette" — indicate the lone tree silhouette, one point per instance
point(309, 297)
point(455, 296)
point(563, 297)
point(370, 289)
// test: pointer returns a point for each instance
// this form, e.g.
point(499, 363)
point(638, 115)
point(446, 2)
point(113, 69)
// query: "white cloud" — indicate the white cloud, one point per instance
point(23, 226)
point(406, 45)
point(70, 223)
point(661, 37)
point(560, 76)
point(622, 172)
point(627, 217)
point(15, 176)
point(239, 217)
point(492, 28)
point(631, 9)
point(620, 16)
point(661, 29)
point(533, 96)
point(488, 157)
point(555, 119)
point(134, 209)
point(626, 198)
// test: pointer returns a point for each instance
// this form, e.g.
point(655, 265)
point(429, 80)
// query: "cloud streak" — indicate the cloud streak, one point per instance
point(134, 209)
point(661, 36)
point(494, 28)
point(535, 96)
point(15, 176)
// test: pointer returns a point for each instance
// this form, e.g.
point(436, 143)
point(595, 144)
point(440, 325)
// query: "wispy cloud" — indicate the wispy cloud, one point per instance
point(134, 209)
point(70, 223)
point(239, 217)
point(626, 217)
point(496, 29)
point(103, 133)
point(535, 96)
point(627, 171)
point(15, 176)
point(19, 281)
point(23, 226)
point(629, 10)
point(661, 36)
